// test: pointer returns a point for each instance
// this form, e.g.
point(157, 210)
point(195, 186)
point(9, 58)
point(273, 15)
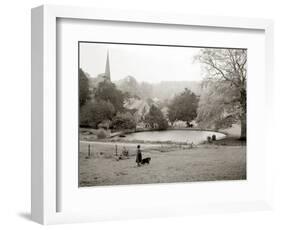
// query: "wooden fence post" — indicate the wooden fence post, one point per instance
point(89, 150)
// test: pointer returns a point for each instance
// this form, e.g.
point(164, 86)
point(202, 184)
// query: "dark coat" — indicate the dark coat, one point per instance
point(139, 156)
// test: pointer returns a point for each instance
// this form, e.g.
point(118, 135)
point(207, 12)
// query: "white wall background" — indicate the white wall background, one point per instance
point(15, 112)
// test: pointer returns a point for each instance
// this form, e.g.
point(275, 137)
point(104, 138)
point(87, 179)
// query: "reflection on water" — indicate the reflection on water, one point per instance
point(195, 136)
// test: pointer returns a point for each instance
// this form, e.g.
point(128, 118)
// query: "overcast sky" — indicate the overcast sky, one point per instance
point(145, 63)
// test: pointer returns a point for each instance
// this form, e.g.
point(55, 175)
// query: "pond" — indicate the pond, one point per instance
point(195, 136)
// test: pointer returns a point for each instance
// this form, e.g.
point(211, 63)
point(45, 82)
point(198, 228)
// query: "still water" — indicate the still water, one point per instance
point(195, 136)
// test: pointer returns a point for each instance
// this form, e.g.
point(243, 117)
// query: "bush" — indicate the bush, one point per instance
point(101, 134)
point(95, 112)
point(163, 124)
point(124, 121)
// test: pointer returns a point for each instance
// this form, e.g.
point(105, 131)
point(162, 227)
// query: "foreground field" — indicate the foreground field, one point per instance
point(169, 164)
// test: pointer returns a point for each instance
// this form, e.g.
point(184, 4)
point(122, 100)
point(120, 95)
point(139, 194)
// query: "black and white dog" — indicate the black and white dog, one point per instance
point(145, 160)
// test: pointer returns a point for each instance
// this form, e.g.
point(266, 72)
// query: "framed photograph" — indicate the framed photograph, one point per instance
point(139, 115)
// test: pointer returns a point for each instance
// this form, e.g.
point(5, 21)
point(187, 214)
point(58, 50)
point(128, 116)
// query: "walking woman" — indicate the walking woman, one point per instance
point(139, 156)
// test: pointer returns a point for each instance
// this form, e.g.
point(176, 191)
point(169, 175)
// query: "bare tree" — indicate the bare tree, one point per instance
point(228, 65)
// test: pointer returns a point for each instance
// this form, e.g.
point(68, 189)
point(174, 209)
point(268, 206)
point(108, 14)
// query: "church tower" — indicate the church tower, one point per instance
point(107, 67)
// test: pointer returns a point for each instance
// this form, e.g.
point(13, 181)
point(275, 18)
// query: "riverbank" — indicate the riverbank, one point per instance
point(230, 141)
point(232, 137)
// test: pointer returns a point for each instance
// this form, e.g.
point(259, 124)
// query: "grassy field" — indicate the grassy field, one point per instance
point(170, 163)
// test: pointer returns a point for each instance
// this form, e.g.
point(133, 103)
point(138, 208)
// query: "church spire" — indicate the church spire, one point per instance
point(107, 67)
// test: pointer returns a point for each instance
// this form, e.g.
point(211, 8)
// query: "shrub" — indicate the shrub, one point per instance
point(101, 134)
point(95, 112)
point(124, 121)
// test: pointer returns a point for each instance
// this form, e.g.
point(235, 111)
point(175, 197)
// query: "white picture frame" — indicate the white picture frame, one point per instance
point(45, 181)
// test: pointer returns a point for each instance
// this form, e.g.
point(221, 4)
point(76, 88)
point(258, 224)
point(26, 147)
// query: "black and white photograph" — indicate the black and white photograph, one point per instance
point(151, 113)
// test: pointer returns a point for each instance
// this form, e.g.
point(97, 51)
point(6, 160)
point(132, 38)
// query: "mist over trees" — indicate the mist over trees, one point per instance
point(164, 90)
point(224, 98)
point(168, 89)
point(129, 85)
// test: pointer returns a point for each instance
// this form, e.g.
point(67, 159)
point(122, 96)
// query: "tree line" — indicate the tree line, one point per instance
point(105, 109)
